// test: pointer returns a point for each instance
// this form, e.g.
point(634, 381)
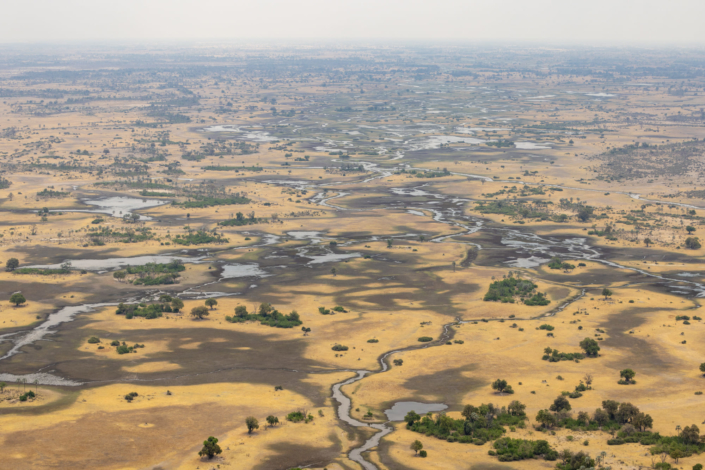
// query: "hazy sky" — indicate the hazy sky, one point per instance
point(575, 21)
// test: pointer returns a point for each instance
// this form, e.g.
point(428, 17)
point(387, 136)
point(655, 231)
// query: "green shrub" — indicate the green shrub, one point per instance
point(93, 340)
point(425, 339)
point(509, 449)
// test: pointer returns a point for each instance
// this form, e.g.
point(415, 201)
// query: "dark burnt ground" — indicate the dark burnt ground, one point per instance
point(51, 254)
point(601, 276)
point(385, 455)
point(641, 355)
point(448, 386)
point(652, 254)
point(304, 456)
point(270, 360)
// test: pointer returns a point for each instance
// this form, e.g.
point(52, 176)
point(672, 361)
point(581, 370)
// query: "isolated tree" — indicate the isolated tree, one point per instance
point(588, 380)
point(211, 303)
point(627, 374)
point(690, 229)
point(199, 312)
point(647, 242)
point(12, 264)
point(607, 293)
point(560, 404)
point(499, 385)
point(17, 299)
point(272, 420)
point(210, 448)
point(252, 424)
point(389, 242)
point(177, 304)
point(416, 446)
point(702, 368)
point(590, 347)
point(2, 387)
point(333, 271)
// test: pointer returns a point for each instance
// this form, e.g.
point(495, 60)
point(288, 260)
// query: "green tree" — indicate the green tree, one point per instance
point(17, 299)
point(2, 387)
point(411, 417)
point(416, 446)
point(211, 303)
point(607, 293)
point(546, 418)
point(12, 264)
point(626, 413)
point(389, 243)
point(584, 214)
point(690, 229)
point(691, 434)
point(500, 385)
point(241, 311)
point(692, 243)
point(642, 421)
point(272, 420)
point(210, 448)
point(199, 312)
point(647, 242)
point(333, 271)
point(698, 466)
point(251, 423)
point(627, 374)
point(590, 347)
point(560, 404)
point(516, 408)
point(702, 368)
point(177, 304)
point(445, 423)
point(676, 454)
point(611, 407)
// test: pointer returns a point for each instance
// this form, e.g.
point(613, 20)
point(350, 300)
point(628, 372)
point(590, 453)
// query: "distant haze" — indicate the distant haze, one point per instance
point(597, 22)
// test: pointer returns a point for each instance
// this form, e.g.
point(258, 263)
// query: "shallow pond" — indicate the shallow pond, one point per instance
point(118, 206)
point(234, 270)
point(115, 263)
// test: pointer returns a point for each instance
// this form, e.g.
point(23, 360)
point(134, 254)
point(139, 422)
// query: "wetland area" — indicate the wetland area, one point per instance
point(325, 261)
